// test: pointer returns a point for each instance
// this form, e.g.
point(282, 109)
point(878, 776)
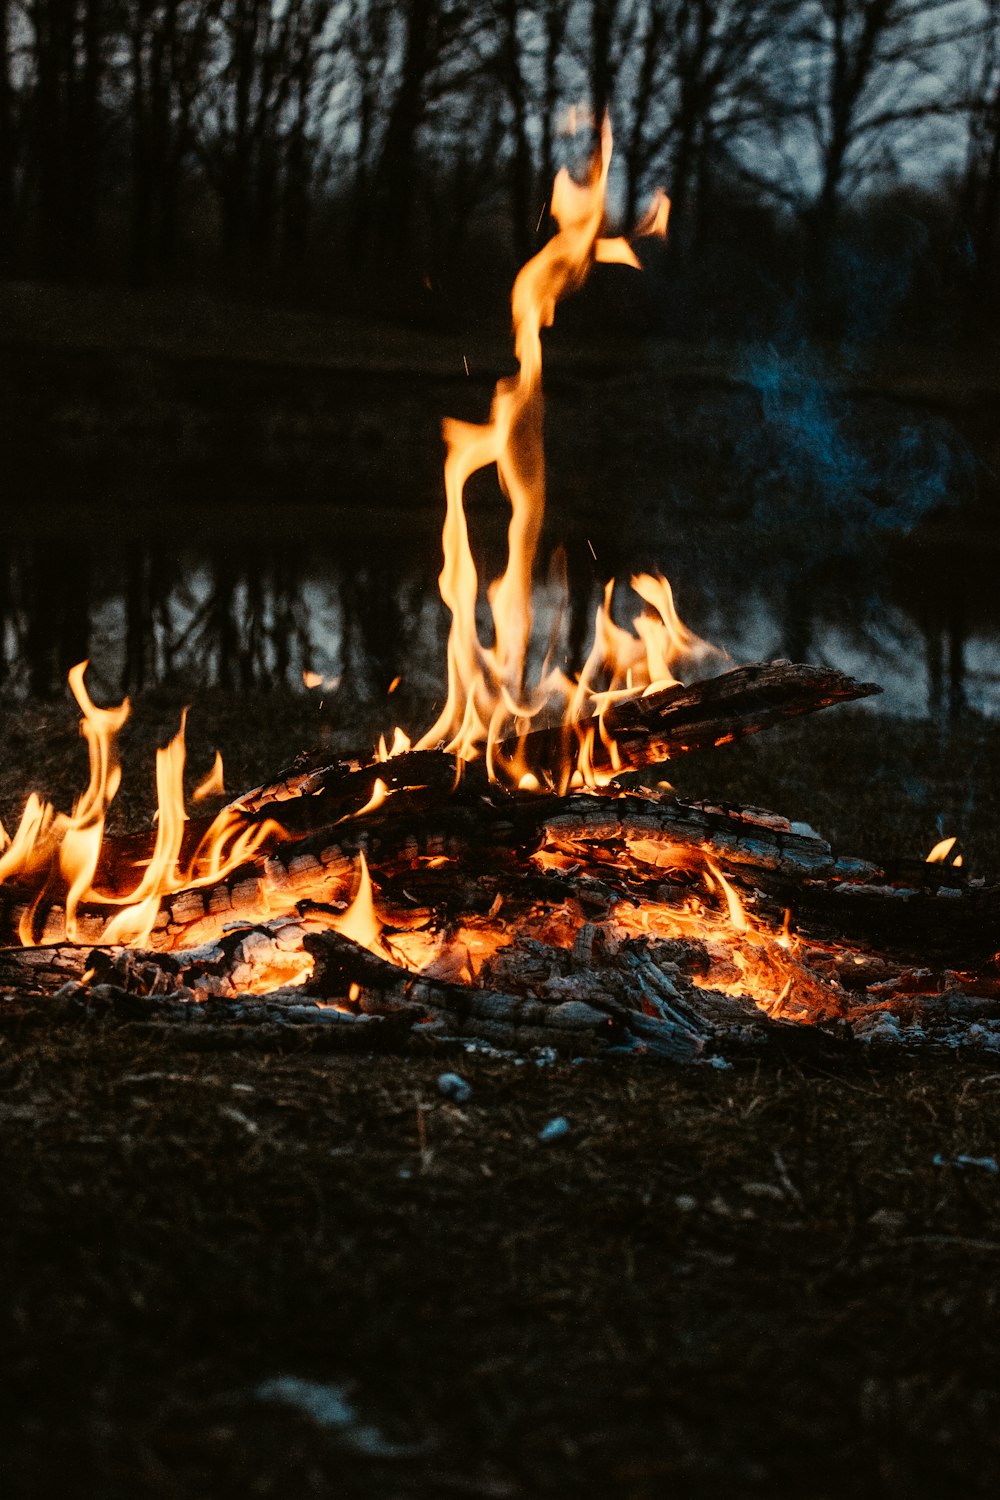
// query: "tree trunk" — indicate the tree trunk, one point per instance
point(555, 31)
point(8, 242)
point(394, 184)
point(520, 166)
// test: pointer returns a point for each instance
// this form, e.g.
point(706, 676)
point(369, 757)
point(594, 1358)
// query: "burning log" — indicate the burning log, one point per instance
point(638, 1002)
point(646, 729)
point(323, 802)
point(661, 725)
point(453, 857)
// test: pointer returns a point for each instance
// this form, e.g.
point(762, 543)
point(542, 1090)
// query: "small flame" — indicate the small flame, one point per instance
point(656, 218)
point(400, 745)
point(738, 918)
point(213, 784)
point(616, 252)
point(941, 850)
point(379, 793)
point(360, 921)
point(80, 844)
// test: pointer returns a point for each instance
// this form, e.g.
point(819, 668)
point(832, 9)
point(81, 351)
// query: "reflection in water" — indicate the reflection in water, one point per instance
point(366, 611)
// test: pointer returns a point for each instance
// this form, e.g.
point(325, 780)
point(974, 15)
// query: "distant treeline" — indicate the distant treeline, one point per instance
point(846, 151)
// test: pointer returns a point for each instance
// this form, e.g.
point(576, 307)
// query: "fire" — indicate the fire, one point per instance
point(489, 700)
point(400, 745)
point(495, 698)
point(58, 855)
point(214, 784)
point(939, 854)
point(360, 922)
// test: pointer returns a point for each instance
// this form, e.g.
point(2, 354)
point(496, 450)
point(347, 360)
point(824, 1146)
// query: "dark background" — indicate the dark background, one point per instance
point(253, 251)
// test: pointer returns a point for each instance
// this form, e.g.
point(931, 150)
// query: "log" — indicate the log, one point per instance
point(655, 727)
point(601, 996)
point(613, 847)
point(312, 799)
point(648, 729)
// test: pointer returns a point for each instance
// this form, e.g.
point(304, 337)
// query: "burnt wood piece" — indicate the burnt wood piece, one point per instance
point(648, 729)
point(667, 834)
point(677, 720)
point(309, 799)
point(953, 925)
point(41, 971)
point(344, 969)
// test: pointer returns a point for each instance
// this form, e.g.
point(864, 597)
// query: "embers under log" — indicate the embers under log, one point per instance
point(309, 824)
point(604, 921)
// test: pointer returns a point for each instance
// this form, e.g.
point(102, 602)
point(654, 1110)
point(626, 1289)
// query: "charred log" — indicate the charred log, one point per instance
point(648, 730)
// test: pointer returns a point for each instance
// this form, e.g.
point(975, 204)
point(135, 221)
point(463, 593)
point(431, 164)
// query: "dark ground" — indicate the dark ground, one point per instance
point(744, 1282)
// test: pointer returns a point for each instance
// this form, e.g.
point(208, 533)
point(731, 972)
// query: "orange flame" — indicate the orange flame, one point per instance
point(939, 854)
point(52, 852)
point(360, 921)
point(488, 701)
point(214, 783)
point(656, 217)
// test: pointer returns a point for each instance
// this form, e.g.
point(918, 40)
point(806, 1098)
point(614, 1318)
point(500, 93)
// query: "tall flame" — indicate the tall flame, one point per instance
point(488, 699)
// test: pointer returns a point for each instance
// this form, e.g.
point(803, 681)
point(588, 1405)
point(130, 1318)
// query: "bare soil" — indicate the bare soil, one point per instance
point(766, 1280)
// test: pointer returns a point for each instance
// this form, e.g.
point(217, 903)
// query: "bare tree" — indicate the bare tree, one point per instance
point(367, 58)
point(393, 178)
point(68, 42)
point(553, 15)
point(870, 71)
point(980, 198)
point(256, 121)
point(703, 79)
point(8, 142)
point(167, 44)
point(609, 25)
point(509, 18)
point(308, 48)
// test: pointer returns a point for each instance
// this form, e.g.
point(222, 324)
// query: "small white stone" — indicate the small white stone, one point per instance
point(453, 1086)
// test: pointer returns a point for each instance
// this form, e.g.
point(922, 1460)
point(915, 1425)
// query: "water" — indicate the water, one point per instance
point(191, 523)
point(192, 600)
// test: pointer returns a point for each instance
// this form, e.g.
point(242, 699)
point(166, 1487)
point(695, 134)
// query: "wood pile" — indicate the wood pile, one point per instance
point(590, 922)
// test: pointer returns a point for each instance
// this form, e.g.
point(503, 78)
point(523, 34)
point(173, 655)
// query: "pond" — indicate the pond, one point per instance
point(344, 598)
point(194, 522)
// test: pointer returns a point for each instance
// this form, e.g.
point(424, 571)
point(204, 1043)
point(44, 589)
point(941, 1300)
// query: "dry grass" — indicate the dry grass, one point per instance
point(739, 1282)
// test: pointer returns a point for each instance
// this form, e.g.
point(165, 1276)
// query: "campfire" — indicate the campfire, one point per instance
point(520, 874)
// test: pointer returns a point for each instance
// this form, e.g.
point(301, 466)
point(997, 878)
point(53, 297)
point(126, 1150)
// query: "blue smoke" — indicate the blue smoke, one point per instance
point(830, 473)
